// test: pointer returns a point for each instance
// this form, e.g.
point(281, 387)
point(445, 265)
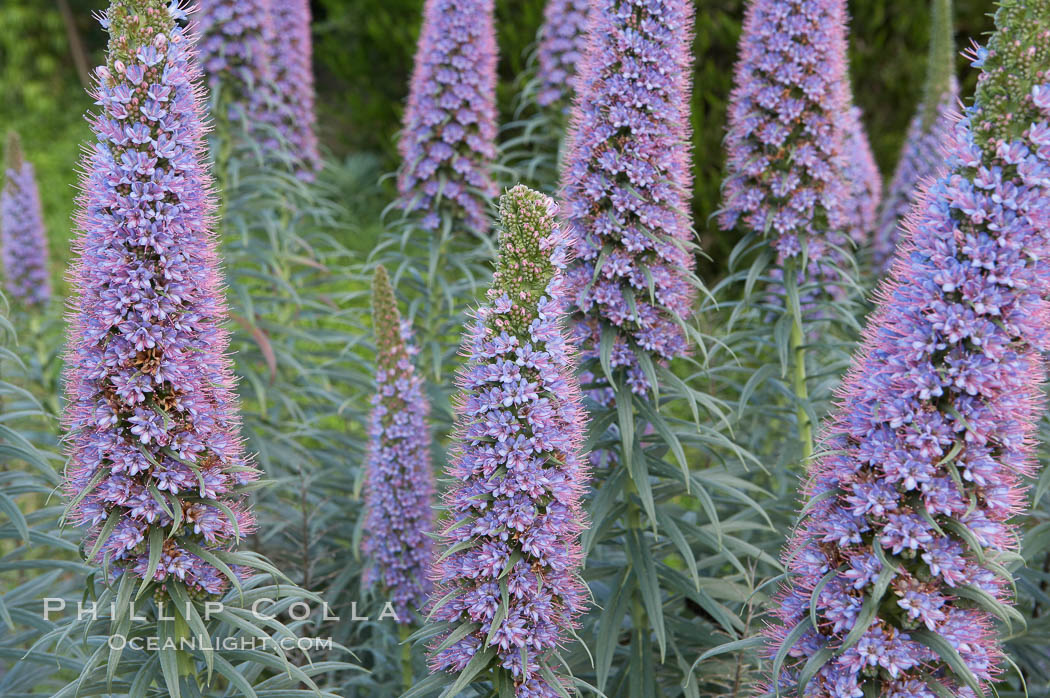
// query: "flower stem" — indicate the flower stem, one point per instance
point(798, 354)
point(406, 657)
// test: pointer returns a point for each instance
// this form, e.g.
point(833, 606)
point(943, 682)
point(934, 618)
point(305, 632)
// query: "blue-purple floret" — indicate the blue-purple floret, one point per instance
point(511, 543)
point(448, 139)
point(925, 458)
point(626, 184)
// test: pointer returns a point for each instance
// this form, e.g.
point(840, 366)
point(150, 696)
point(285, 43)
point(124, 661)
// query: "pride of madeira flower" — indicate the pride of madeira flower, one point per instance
point(897, 566)
point(507, 578)
point(787, 156)
point(448, 143)
point(626, 184)
point(22, 234)
point(156, 468)
point(400, 484)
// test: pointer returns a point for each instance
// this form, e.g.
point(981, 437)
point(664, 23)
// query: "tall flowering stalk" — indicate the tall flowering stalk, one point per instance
point(23, 239)
point(448, 141)
point(292, 64)
point(508, 574)
point(563, 43)
point(626, 185)
point(786, 142)
point(400, 483)
point(234, 47)
point(156, 468)
point(897, 565)
point(922, 153)
point(864, 177)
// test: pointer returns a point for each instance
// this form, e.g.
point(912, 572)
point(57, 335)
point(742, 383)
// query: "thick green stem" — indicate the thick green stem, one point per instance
point(798, 355)
point(941, 67)
point(406, 658)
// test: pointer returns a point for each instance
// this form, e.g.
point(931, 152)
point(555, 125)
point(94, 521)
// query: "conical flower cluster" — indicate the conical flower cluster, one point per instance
point(23, 239)
point(626, 183)
point(897, 566)
point(921, 156)
point(563, 43)
point(923, 152)
point(293, 73)
point(448, 143)
point(234, 47)
point(155, 456)
point(508, 574)
point(400, 484)
point(786, 145)
point(865, 180)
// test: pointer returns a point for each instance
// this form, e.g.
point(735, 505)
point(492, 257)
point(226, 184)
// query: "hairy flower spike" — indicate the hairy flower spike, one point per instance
point(448, 143)
point(235, 39)
point(400, 484)
point(512, 555)
point(292, 62)
point(22, 234)
point(155, 456)
point(627, 180)
point(786, 143)
point(563, 43)
point(911, 506)
point(922, 154)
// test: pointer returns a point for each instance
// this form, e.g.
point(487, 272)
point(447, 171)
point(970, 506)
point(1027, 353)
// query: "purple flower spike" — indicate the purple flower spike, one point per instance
point(864, 177)
point(155, 456)
point(22, 234)
point(448, 143)
point(922, 155)
point(627, 182)
point(786, 145)
point(292, 61)
point(512, 555)
point(563, 43)
point(400, 483)
point(235, 36)
point(909, 515)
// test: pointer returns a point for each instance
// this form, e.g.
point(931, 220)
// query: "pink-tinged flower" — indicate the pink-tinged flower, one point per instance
point(291, 59)
point(234, 48)
point(23, 239)
point(787, 157)
point(152, 415)
point(926, 456)
point(511, 546)
point(563, 44)
point(448, 142)
point(626, 184)
point(864, 178)
point(400, 481)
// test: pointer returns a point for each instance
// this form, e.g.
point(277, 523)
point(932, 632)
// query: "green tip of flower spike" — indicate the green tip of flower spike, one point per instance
point(13, 155)
point(386, 319)
point(1018, 59)
point(136, 23)
point(940, 69)
point(525, 265)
